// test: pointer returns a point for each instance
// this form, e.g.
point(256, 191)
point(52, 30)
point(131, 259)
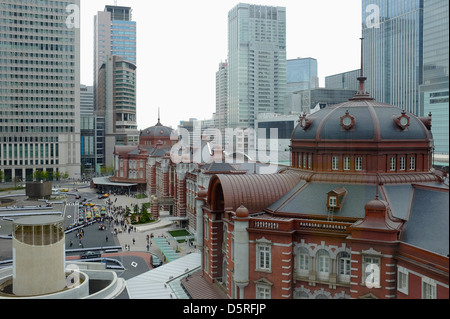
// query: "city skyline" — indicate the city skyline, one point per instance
point(166, 65)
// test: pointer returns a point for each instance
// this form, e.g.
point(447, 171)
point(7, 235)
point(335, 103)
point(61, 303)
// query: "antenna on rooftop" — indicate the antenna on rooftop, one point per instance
point(115, 3)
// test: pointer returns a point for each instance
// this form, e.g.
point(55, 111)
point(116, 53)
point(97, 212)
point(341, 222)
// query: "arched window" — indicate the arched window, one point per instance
point(323, 264)
point(303, 262)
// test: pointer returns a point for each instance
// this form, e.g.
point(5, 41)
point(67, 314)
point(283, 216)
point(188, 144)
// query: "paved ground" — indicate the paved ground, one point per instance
point(136, 240)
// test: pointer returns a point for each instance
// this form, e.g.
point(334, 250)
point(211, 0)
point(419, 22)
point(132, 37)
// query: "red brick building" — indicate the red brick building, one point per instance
point(361, 214)
point(130, 162)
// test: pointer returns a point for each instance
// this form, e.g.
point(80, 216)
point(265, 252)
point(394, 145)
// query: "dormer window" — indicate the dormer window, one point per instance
point(336, 199)
point(332, 201)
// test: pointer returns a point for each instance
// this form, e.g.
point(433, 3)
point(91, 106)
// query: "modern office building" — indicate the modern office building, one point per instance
point(116, 92)
point(434, 91)
point(222, 96)
point(256, 62)
point(114, 38)
point(39, 88)
point(305, 101)
point(346, 80)
point(87, 129)
point(301, 74)
point(393, 51)
point(114, 34)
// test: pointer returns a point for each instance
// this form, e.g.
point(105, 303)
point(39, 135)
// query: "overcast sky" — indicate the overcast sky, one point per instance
point(180, 44)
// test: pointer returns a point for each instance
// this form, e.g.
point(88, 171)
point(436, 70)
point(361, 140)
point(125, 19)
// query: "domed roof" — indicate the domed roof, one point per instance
point(157, 131)
point(361, 119)
point(242, 212)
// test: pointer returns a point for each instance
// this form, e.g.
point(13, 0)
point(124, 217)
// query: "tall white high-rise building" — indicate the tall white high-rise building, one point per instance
point(256, 63)
point(222, 96)
point(39, 88)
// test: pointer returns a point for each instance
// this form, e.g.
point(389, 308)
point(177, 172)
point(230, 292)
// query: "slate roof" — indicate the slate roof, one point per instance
point(428, 223)
point(311, 198)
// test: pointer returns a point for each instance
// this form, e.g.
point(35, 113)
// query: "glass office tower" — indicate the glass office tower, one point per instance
point(256, 62)
point(434, 92)
point(114, 38)
point(301, 74)
point(39, 88)
point(393, 51)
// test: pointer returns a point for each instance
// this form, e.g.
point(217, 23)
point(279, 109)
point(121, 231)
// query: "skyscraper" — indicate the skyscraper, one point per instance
point(222, 96)
point(114, 34)
point(87, 128)
point(39, 88)
point(434, 92)
point(393, 51)
point(301, 74)
point(116, 103)
point(256, 62)
point(114, 81)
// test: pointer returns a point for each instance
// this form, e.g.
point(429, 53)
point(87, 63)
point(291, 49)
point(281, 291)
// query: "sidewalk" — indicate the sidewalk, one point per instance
point(139, 233)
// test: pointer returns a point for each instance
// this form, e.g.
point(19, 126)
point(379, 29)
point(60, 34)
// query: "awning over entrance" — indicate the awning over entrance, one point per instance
point(104, 181)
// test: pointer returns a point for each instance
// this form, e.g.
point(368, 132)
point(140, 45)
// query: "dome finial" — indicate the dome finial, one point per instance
point(159, 118)
point(362, 94)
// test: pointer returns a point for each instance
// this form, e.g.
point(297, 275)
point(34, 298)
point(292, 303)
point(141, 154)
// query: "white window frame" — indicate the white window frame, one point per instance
point(358, 164)
point(263, 291)
point(323, 264)
point(303, 263)
point(412, 163)
point(402, 280)
point(335, 163)
point(264, 257)
point(344, 267)
point(332, 201)
point(368, 261)
point(402, 163)
point(429, 290)
point(392, 163)
point(346, 163)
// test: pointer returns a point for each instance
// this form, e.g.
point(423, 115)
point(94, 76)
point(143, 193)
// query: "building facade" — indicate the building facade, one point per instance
point(301, 74)
point(114, 34)
point(87, 130)
point(393, 51)
point(256, 62)
point(114, 82)
point(434, 92)
point(39, 89)
point(116, 93)
point(346, 80)
point(131, 161)
point(307, 101)
point(361, 213)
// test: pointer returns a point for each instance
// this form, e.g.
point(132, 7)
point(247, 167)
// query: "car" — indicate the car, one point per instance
point(77, 197)
point(156, 262)
point(91, 254)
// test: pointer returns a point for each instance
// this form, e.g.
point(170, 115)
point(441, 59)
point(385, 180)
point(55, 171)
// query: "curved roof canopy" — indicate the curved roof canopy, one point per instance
point(255, 192)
